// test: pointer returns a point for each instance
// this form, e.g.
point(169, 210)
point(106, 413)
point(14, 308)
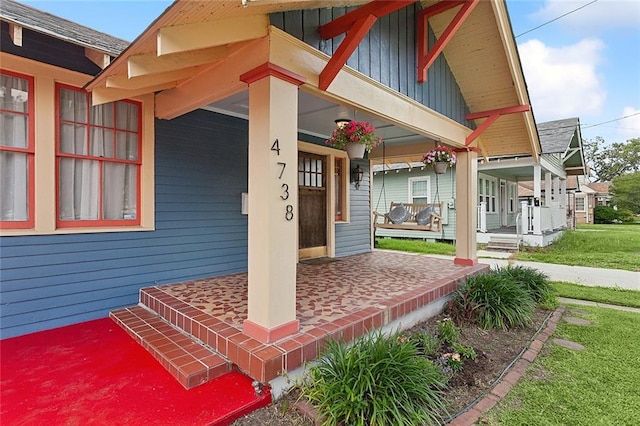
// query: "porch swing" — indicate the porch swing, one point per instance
point(407, 216)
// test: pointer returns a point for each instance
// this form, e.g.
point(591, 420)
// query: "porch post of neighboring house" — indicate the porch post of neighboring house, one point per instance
point(563, 193)
point(273, 202)
point(466, 209)
point(537, 194)
point(548, 189)
point(557, 217)
point(526, 220)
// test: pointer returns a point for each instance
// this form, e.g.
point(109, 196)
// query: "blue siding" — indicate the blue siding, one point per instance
point(387, 54)
point(201, 171)
point(355, 237)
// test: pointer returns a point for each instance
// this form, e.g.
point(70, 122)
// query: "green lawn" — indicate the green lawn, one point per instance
point(597, 386)
point(415, 246)
point(600, 246)
point(612, 296)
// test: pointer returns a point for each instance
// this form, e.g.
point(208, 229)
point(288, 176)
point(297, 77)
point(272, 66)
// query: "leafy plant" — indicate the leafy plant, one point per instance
point(467, 352)
point(379, 380)
point(448, 332)
point(533, 281)
point(462, 309)
point(450, 363)
point(499, 301)
point(426, 343)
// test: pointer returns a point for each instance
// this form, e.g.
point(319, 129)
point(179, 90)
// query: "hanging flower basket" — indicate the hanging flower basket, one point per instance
point(355, 137)
point(441, 158)
point(440, 167)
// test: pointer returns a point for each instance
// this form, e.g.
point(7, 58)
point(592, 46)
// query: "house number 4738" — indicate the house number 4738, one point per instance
point(288, 209)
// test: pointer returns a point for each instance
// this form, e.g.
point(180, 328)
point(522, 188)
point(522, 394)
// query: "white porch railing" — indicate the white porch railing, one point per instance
point(482, 217)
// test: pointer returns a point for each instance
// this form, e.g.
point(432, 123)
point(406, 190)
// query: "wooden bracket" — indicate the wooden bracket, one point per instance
point(356, 24)
point(426, 57)
point(491, 116)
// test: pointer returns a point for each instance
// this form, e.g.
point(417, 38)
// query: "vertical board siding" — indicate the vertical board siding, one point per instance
point(387, 54)
point(396, 189)
point(355, 237)
point(201, 171)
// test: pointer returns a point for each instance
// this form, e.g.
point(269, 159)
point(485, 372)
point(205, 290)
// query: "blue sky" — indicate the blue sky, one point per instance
point(586, 64)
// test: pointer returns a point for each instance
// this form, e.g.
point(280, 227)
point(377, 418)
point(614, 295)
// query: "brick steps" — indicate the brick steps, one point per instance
point(188, 360)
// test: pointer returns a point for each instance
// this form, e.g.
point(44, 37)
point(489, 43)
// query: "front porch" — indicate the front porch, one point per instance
point(195, 328)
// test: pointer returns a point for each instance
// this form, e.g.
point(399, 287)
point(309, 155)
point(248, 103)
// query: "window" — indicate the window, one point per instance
point(17, 197)
point(512, 190)
point(98, 160)
point(487, 188)
point(419, 190)
point(580, 204)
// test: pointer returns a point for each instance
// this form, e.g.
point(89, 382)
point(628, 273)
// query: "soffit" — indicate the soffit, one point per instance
point(489, 77)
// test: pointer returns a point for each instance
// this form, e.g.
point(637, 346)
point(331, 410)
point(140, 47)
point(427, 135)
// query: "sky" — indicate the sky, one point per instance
point(585, 64)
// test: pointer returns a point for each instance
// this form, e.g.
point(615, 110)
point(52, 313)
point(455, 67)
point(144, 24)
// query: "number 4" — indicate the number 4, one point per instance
point(276, 147)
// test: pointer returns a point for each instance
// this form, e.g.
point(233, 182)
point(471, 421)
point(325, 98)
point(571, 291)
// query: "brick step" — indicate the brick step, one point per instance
point(188, 360)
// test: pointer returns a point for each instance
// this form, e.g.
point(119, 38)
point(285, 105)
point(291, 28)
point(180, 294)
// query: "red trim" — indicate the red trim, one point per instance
point(377, 8)
point(427, 58)
point(268, 69)
point(465, 262)
point(102, 160)
point(350, 43)
point(268, 335)
point(356, 24)
point(29, 151)
point(491, 116)
point(468, 149)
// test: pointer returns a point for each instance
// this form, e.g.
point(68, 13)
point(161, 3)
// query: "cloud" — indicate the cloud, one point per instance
point(563, 81)
point(601, 15)
point(629, 128)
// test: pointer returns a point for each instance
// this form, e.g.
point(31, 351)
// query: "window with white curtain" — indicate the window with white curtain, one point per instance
point(419, 191)
point(98, 153)
point(16, 150)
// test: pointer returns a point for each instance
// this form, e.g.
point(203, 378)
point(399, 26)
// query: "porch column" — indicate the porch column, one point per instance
point(556, 189)
point(466, 208)
point(548, 190)
point(563, 193)
point(273, 202)
point(537, 194)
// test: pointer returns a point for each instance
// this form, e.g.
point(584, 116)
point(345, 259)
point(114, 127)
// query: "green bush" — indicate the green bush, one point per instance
point(448, 332)
point(379, 380)
point(625, 215)
point(426, 343)
point(533, 281)
point(605, 214)
point(496, 300)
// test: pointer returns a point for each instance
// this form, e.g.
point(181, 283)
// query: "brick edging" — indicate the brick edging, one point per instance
point(516, 371)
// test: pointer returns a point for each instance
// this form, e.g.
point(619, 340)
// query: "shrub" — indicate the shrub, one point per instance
point(497, 300)
point(533, 281)
point(462, 309)
point(380, 380)
point(448, 333)
point(604, 214)
point(467, 352)
point(427, 344)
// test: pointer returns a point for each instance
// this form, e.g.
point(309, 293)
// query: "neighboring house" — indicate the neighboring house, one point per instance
point(602, 196)
point(501, 213)
point(198, 150)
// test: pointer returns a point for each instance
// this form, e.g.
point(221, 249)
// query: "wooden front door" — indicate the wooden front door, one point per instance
point(312, 205)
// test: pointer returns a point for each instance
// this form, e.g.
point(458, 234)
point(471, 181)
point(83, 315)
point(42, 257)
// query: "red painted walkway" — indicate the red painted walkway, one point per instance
point(94, 374)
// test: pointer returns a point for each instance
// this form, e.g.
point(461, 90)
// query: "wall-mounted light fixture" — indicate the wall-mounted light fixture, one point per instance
point(341, 122)
point(357, 175)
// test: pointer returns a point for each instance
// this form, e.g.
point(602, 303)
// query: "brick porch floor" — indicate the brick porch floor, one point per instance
point(336, 298)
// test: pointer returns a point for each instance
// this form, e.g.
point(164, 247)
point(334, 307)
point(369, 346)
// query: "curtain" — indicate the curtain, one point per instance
point(14, 168)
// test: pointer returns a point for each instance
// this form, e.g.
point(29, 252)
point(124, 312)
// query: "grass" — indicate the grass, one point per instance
point(597, 386)
point(416, 246)
point(612, 296)
point(599, 246)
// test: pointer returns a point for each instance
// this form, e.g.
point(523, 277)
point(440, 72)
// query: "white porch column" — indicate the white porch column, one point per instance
point(563, 193)
point(524, 207)
point(466, 208)
point(548, 189)
point(537, 194)
point(273, 202)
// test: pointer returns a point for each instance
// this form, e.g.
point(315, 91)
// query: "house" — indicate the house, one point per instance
point(603, 196)
point(196, 155)
point(509, 207)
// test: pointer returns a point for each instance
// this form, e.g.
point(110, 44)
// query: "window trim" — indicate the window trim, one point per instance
point(584, 204)
point(488, 197)
point(59, 155)
point(30, 151)
point(418, 179)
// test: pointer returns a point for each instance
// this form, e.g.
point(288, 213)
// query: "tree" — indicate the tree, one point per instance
point(610, 161)
point(625, 190)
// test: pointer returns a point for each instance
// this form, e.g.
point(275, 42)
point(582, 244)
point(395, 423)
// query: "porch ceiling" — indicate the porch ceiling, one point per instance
point(186, 47)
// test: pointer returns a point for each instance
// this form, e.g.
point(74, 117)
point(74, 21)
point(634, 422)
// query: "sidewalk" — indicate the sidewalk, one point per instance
point(573, 274)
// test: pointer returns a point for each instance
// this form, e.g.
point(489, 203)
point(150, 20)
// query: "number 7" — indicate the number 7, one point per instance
point(284, 166)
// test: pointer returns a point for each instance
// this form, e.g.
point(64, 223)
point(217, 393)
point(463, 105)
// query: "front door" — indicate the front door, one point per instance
point(312, 205)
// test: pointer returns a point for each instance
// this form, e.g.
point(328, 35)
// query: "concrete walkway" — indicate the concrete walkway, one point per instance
point(567, 301)
point(573, 274)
